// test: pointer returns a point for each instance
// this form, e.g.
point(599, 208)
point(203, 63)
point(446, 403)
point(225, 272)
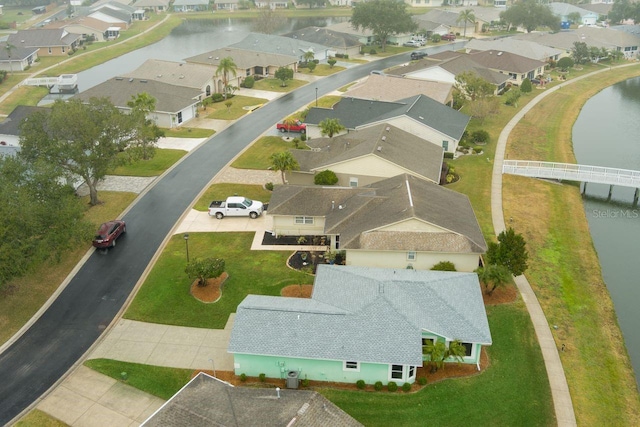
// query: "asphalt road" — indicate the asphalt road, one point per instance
point(59, 338)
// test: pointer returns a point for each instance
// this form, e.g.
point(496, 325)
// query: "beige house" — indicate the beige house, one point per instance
point(89, 27)
point(399, 222)
point(367, 156)
point(196, 76)
point(393, 88)
point(49, 42)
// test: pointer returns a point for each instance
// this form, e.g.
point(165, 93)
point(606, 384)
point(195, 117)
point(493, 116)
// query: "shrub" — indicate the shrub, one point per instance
point(436, 38)
point(480, 136)
point(305, 382)
point(268, 186)
point(248, 82)
point(360, 384)
point(406, 387)
point(444, 266)
point(243, 377)
point(565, 63)
point(326, 177)
point(422, 380)
point(217, 97)
point(477, 150)
point(262, 377)
point(331, 62)
point(203, 269)
point(392, 386)
point(526, 86)
point(372, 51)
point(303, 137)
point(377, 386)
point(448, 155)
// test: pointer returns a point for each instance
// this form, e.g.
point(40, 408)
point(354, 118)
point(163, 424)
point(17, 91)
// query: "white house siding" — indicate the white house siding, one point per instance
point(435, 74)
point(370, 165)
point(85, 32)
point(286, 226)
point(407, 124)
point(424, 3)
point(413, 224)
point(9, 140)
point(423, 261)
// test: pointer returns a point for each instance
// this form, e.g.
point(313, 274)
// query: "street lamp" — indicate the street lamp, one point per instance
point(316, 97)
point(186, 242)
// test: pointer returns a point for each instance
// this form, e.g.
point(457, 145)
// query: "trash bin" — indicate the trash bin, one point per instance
point(292, 379)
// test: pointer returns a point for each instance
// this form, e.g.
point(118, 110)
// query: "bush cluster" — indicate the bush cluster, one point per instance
point(326, 177)
point(392, 386)
point(262, 377)
point(406, 387)
point(361, 384)
point(422, 380)
point(248, 82)
point(243, 377)
point(377, 386)
point(342, 55)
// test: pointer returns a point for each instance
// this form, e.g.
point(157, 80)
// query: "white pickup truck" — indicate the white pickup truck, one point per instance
point(235, 206)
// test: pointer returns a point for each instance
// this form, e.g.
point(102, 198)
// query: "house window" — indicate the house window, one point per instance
point(307, 220)
point(445, 145)
point(180, 117)
point(468, 348)
point(397, 372)
point(427, 341)
point(351, 366)
point(63, 49)
point(411, 256)
point(50, 50)
point(412, 372)
point(337, 241)
point(353, 182)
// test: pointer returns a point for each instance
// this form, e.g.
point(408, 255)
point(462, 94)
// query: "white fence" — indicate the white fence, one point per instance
point(65, 81)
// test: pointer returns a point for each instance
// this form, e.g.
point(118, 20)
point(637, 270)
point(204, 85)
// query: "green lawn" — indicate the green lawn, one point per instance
point(321, 70)
point(37, 418)
point(512, 391)
point(257, 155)
point(222, 191)
point(24, 95)
point(327, 101)
point(163, 159)
point(185, 132)
point(164, 297)
point(275, 85)
point(156, 380)
point(240, 105)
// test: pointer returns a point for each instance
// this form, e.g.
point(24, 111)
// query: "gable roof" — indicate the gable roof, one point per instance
point(564, 9)
point(17, 54)
point(175, 73)
point(384, 141)
point(354, 113)
point(191, 3)
point(85, 21)
point(151, 3)
point(592, 36)
point(206, 401)
point(357, 214)
point(444, 17)
point(391, 88)
point(378, 316)
point(243, 58)
point(116, 14)
point(325, 37)
point(277, 44)
point(42, 38)
point(500, 60)
point(11, 125)
point(455, 63)
point(169, 98)
point(529, 49)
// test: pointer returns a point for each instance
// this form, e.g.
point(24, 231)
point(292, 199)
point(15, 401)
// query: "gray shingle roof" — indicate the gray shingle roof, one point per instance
point(525, 48)
point(277, 44)
point(191, 3)
point(360, 210)
point(206, 401)
point(11, 125)
point(507, 61)
point(243, 58)
point(396, 146)
point(354, 113)
point(598, 37)
point(439, 16)
point(391, 88)
point(42, 38)
point(175, 73)
point(19, 53)
point(169, 98)
point(325, 37)
point(386, 312)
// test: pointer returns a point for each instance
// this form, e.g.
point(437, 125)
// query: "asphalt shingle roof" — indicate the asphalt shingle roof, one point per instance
point(507, 61)
point(277, 44)
point(42, 38)
point(386, 311)
point(390, 88)
point(17, 54)
point(598, 37)
point(525, 48)
point(175, 73)
point(243, 58)
point(325, 37)
point(385, 141)
point(11, 125)
point(354, 113)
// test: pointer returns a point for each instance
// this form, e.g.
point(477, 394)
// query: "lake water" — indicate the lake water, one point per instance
point(607, 133)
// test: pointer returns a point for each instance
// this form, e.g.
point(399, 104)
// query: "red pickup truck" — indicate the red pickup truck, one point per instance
point(450, 37)
point(298, 126)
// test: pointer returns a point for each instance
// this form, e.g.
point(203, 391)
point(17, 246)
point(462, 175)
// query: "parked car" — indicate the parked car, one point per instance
point(412, 43)
point(449, 37)
point(236, 206)
point(108, 233)
point(377, 72)
point(535, 82)
point(418, 54)
point(298, 126)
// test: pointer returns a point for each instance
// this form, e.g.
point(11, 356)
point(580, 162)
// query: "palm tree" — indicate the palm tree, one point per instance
point(288, 122)
point(466, 16)
point(493, 276)
point(330, 127)
point(283, 161)
point(226, 67)
point(438, 352)
point(9, 48)
point(309, 56)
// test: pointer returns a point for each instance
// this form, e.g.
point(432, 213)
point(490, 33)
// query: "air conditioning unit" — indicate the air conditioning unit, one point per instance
point(292, 379)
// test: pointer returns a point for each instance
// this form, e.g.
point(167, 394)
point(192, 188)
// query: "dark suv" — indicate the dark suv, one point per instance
point(418, 55)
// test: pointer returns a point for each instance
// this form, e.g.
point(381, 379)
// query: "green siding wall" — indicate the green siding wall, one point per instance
point(475, 352)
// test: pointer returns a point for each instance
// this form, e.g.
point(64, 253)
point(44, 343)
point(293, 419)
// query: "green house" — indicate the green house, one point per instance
point(361, 323)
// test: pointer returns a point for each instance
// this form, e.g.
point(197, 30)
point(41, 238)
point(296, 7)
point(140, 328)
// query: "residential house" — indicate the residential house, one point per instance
point(445, 66)
point(18, 58)
point(398, 222)
point(152, 5)
point(418, 115)
point(175, 105)
point(49, 42)
point(426, 3)
point(226, 4)
point(271, 4)
point(190, 5)
point(207, 401)
point(10, 126)
point(280, 45)
point(517, 67)
point(528, 49)
point(565, 10)
point(195, 76)
point(249, 63)
point(90, 28)
point(602, 9)
point(342, 43)
point(361, 323)
point(450, 20)
point(369, 155)
point(116, 17)
point(388, 87)
point(606, 38)
point(366, 36)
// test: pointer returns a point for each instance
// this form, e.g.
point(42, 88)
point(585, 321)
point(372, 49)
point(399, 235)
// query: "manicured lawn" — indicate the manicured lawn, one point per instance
point(156, 380)
point(24, 95)
point(222, 191)
point(250, 272)
point(327, 101)
point(512, 391)
point(162, 160)
point(240, 105)
point(37, 418)
point(321, 70)
point(185, 132)
point(389, 50)
point(257, 156)
point(275, 85)
point(346, 87)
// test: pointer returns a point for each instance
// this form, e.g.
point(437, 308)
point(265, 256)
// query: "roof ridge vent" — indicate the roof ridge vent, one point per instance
point(384, 138)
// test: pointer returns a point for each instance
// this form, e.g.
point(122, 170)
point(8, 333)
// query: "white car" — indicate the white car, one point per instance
point(412, 43)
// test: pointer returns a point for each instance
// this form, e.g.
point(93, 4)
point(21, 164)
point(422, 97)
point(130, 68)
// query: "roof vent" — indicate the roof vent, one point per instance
point(211, 57)
point(388, 129)
point(379, 148)
point(119, 78)
point(143, 81)
point(421, 118)
point(384, 138)
point(159, 76)
point(499, 53)
point(131, 79)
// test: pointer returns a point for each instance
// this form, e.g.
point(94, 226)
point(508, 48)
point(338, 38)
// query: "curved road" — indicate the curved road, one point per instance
point(88, 304)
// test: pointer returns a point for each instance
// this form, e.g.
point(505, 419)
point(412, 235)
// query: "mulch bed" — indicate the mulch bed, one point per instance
point(504, 295)
point(297, 291)
point(212, 291)
point(311, 262)
point(270, 239)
